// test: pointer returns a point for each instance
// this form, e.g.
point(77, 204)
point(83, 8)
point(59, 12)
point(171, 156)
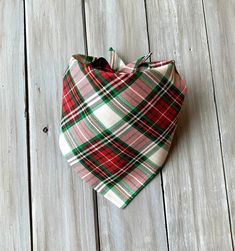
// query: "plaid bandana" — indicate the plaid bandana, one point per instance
point(118, 121)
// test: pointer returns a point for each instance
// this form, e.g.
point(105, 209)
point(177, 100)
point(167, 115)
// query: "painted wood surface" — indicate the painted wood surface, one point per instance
point(14, 200)
point(62, 205)
point(44, 205)
point(220, 19)
point(195, 196)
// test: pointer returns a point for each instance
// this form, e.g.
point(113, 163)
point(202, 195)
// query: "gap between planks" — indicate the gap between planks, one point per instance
point(162, 186)
point(27, 124)
point(94, 193)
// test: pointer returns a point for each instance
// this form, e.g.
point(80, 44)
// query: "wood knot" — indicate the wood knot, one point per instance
point(45, 129)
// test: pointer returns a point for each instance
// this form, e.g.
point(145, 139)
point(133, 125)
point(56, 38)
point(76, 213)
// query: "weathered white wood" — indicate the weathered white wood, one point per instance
point(14, 203)
point(62, 204)
point(196, 206)
point(140, 226)
point(220, 20)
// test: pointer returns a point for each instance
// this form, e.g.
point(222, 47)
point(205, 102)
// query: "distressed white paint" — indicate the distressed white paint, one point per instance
point(62, 204)
point(220, 19)
point(14, 201)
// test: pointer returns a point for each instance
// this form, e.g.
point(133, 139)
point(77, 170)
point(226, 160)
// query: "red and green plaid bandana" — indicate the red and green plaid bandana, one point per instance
point(118, 121)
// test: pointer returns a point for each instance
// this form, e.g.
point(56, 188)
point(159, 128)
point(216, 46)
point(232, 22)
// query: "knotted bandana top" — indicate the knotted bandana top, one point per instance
point(118, 121)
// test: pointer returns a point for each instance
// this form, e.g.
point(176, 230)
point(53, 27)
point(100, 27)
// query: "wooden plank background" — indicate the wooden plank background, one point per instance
point(44, 205)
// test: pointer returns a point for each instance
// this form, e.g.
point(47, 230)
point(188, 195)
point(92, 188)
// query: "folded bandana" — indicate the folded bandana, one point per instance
point(118, 121)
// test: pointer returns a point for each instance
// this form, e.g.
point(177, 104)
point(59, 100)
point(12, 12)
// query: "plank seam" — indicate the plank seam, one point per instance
point(27, 126)
point(147, 27)
point(84, 26)
point(163, 194)
point(94, 193)
point(218, 125)
point(164, 210)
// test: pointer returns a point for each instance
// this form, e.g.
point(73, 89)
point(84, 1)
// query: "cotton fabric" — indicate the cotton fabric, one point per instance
point(118, 121)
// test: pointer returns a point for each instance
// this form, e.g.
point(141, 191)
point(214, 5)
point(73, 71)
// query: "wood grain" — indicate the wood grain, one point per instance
point(220, 20)
point(14, 202)
point(196, 206)
point(62, 205)
point(140, 226)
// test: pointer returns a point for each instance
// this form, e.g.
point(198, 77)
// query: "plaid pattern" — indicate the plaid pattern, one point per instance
point(118, 121)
